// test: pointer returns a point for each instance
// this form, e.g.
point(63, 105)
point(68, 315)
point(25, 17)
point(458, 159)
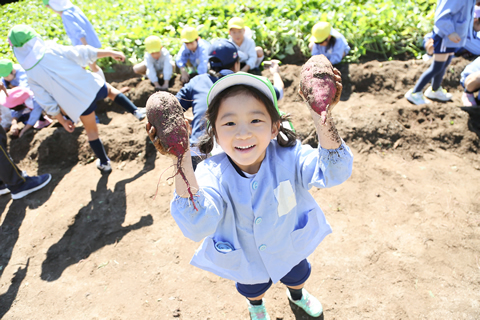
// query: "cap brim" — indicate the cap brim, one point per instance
point(242, 78)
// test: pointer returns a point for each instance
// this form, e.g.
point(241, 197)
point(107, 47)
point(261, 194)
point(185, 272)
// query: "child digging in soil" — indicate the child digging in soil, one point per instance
point(14, 77)
point(250, 55)
point(157, 62)
point(453, 23)
point(258, 220)
point(23, 109)
point(61, 84)
point(329, 42)
point(192, 59)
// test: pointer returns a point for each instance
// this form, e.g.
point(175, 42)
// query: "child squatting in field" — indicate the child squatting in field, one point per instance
point(257, 218)
point(329, 42)
point(250, 55)
point(453, 23)
point(14, 77)
point(23, 109)
point(61, 84)
point(192, 59)
point(157, 61)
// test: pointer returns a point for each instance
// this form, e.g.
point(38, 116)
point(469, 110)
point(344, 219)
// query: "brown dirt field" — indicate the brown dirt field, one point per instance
point(406, 225)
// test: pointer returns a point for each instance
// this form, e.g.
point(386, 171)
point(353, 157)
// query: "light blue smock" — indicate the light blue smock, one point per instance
point(454, 16)
point(198, 59)
point(77, 26)
point(271, 221)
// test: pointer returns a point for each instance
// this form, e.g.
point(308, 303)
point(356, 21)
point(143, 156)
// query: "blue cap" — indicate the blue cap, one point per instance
point(222, 53)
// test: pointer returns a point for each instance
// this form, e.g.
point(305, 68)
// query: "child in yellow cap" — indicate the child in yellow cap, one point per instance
point(157, 61)
point(329, 42)
point(250, 55)
point(192, 59)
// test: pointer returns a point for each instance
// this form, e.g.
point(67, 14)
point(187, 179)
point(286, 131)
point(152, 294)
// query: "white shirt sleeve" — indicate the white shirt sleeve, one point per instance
point(82, 55)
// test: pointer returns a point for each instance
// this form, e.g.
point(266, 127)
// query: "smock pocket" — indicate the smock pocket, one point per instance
point(302, 237)
point(285, 197)
point(462, 28)
point(222, 258)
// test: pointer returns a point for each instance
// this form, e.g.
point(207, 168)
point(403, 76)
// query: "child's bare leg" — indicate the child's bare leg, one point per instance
point(260, 297)
point(124, 102)
point(442, 57)
point(92, 133)
point(90, 126)
point(112, 92)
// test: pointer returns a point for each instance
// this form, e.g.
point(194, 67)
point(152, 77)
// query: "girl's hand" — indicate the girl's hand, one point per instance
point(429, 47)
point(152, 134)
point(119, 56)
point(338, 84)
point(68, 125)
point(454, 37)
point(14, 130)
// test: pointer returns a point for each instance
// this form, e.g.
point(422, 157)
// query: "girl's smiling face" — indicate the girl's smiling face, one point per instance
point(244, 129)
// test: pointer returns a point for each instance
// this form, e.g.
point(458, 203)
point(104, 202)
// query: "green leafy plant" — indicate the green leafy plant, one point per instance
point(388, 28)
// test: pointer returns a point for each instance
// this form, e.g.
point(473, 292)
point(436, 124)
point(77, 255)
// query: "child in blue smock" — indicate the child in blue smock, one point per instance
point(77, 26)
point(472, 45)
point(252, 207)
point(251, 56)
point(329, 42)
point(157, 62)
point(453, 24)
point(192, 59)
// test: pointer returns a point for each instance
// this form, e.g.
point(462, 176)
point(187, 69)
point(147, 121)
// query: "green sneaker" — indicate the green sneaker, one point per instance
point(309, 303)
point(258, 312)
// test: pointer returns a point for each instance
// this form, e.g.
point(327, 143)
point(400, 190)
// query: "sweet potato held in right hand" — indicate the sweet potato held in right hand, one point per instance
point(318, 85)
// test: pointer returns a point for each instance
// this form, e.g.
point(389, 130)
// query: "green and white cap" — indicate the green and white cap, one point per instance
point(6, 67)
point(27, 45)
point(58, 5)
point(260, 83)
